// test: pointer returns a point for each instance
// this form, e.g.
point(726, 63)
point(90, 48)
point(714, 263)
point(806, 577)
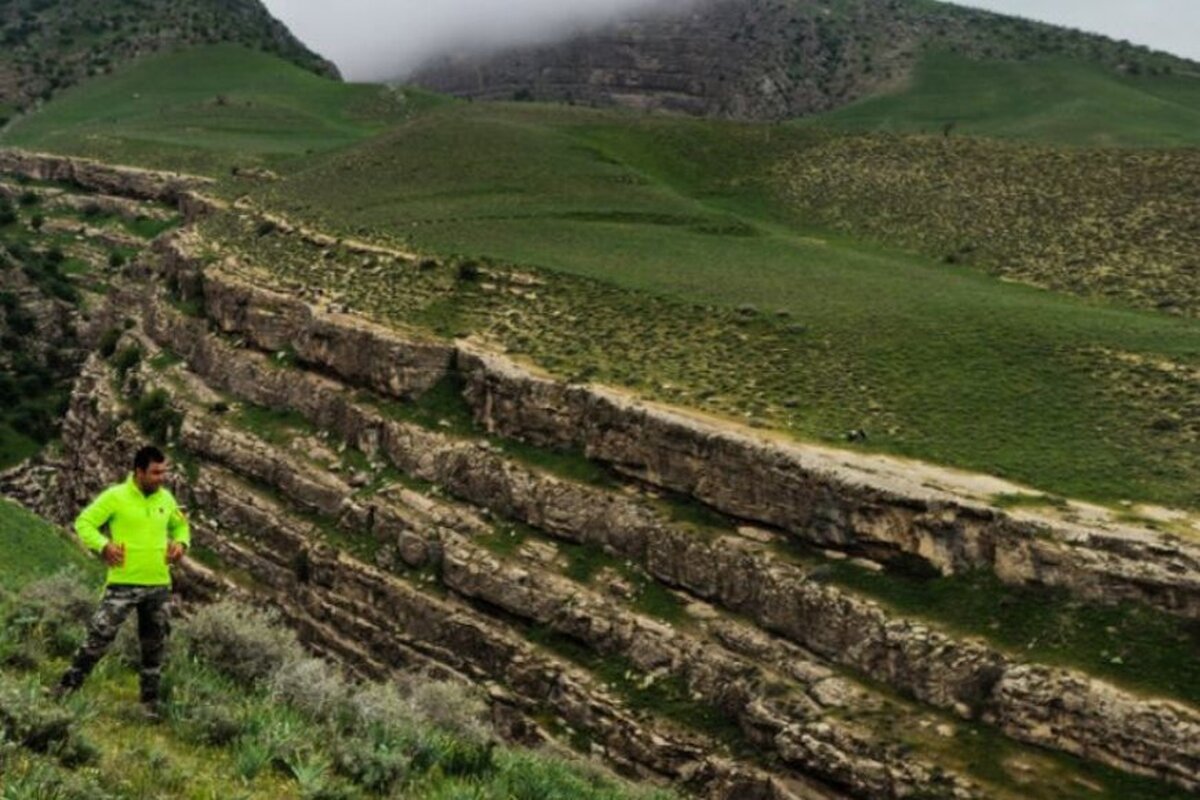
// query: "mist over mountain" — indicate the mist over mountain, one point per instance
point(384, 41)
point(767, 59)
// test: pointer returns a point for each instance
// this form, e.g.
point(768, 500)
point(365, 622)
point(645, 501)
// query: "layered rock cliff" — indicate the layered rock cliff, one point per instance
point(396, 535)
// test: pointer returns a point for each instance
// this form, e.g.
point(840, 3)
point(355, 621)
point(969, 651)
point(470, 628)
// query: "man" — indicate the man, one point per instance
point(146, 534)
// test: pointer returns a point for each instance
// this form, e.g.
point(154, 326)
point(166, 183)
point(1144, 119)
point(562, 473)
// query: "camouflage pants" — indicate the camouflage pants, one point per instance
point(153, 621)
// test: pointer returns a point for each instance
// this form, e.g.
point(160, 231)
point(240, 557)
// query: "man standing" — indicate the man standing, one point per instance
point(146, 534)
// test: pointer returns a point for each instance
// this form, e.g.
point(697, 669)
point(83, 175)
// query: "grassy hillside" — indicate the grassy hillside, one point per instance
point(208, 109)
point(1051, 100)
point(677, 261)
point(32, 549)
point(833, 333)
point(772, 59)
point(274, 724)
point(46, 45)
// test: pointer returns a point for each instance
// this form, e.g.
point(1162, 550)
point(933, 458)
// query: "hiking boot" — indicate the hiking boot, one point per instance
point(152, 711)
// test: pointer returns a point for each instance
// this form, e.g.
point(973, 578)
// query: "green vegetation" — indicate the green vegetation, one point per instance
point(1105, 224)
point(45, 278)
point(637, 232)
point(664, 696)
point(32, 548)
point(246, 714)
point(931, 359)
point(209, 109)
point(1129, 644)
point(1053, 100)
point(274, 426)
point(45, 46)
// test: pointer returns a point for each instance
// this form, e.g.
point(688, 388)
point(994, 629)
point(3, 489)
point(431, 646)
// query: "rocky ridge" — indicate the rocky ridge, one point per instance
point(775, 670)
point(762, 59)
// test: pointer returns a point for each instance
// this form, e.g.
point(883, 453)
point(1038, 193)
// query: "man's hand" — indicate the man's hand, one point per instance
point(113, 554)
point(175, 552)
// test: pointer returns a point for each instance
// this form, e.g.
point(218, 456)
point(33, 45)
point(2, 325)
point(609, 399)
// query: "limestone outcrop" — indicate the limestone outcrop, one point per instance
point(805, 491)
point(969, 678)
point(381, 536)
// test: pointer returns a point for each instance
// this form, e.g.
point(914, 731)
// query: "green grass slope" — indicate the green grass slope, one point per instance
point(1053, 100)
point(31, 549)
point(278, 724)
point(206, 109)
point(935, 360)
point(47, 45)
point(653, 231)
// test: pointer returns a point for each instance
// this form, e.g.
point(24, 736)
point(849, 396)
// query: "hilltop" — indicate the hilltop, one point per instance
point(775, 59)
point(46, 46)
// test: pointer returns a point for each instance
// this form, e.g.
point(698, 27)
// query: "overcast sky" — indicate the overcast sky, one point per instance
point(381, 39)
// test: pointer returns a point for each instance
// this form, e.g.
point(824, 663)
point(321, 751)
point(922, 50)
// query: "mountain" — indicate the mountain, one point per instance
point(769, 59)
point(46, 45)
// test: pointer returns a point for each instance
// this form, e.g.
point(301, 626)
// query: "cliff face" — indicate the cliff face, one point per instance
point(759, 59)
point(399, 541)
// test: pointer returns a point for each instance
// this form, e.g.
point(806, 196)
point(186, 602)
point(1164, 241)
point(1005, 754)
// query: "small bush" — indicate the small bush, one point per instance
point(156, 417)
point(30, 719)
point(312, 687)
point(468, 271)
point(108, 342)
point(251, 757)
point(459, 709)
point(247, 644)
point(126, 359)
point(50, 614)
point(375, 766)
point(381, 708)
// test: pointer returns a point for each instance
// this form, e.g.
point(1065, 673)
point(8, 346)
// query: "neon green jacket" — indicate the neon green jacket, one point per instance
point(143, 523)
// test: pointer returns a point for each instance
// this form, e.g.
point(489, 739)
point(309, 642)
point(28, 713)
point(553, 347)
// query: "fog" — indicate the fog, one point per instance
point(385, 39)
point(380, 40)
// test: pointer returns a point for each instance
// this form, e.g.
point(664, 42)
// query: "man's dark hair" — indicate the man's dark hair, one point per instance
point(148, 455)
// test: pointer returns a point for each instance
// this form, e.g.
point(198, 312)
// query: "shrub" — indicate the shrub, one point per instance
point(108, 342)
point(375, 766)
point(50, 613)
point(382, 708)
point(126, 359)
point(155, 415)
point(247, 644)
point(29, 719)
point(457, 708)
point(312, 687)
point(468, 271)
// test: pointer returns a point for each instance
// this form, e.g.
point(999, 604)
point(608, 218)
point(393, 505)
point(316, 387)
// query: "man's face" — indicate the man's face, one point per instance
point(152, 477)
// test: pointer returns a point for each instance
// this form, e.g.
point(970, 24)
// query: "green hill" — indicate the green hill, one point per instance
point(683, 258)
point(1047, 100)
point(776, 59)
point(206, 108)
point(46, 45)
